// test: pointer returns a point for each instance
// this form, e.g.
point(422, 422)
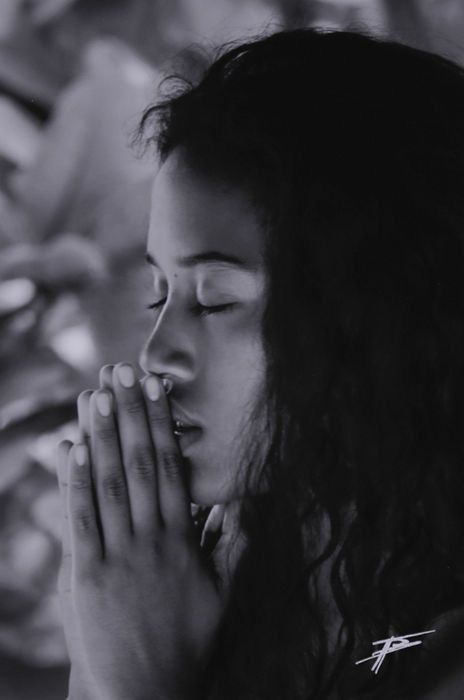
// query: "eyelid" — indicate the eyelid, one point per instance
point(199, 309)
point(156, 304)
point(203, 310)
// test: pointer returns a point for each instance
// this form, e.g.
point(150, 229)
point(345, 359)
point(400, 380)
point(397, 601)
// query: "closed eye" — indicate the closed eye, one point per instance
point(199, 309)
point(202, 310)
point(156, 304)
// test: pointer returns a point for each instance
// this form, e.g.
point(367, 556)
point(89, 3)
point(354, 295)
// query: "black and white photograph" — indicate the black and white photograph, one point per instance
point(231, 350)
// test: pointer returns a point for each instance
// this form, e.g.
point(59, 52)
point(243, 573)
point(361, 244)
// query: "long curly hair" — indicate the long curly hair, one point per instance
point(352, 149)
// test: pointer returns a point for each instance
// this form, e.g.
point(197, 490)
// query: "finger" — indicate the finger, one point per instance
point(137, 449)
point(174, 501)
point(86, 545)
point(105, 377)
point(83, 411)
point(83, 414)
point(64, 574)
point(110, 481)
point(62, 453)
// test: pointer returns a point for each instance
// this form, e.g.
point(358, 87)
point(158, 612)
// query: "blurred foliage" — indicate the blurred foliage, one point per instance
point(74, 78)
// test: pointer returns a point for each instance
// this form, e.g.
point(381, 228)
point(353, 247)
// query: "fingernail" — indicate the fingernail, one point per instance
point(152, 388)
point(126, 376)
point(103, 403)
point(80, 454)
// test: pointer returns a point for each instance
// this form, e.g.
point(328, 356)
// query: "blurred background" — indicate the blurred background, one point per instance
point(74, 78)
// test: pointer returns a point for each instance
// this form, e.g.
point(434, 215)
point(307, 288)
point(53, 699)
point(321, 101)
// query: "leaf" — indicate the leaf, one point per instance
point(44, 11)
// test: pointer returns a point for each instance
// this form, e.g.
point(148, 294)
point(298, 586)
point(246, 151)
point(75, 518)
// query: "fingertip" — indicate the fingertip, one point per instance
point(105, 377)
point(124, 375)
point(83, 403)
point(79, 472)
point(83, 399)
point(152, 387)
point(103, 402)
point(64, 445)
point(81, 454)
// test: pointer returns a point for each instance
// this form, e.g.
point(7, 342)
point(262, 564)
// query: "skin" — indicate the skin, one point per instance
point(216, 362)
point(140, 606)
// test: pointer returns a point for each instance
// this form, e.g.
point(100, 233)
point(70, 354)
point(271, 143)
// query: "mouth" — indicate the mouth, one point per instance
point(186, 434)
point(183, 424)
point(180, 428)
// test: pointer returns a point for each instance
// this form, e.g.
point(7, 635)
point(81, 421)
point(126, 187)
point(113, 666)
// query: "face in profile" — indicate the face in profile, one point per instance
point(205, 247)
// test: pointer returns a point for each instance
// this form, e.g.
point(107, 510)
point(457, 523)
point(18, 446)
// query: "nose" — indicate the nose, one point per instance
point(167, 354)
point(144, 364)
point(143, 359)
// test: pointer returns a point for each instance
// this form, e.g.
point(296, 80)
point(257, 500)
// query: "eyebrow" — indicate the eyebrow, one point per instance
point(208, 257)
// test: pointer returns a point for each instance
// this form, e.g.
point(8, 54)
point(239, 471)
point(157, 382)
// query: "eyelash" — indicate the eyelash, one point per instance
point(199, 309)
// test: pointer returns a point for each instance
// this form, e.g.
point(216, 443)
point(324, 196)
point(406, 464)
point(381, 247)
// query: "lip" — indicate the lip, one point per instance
point(178, 415)
point(188, 436)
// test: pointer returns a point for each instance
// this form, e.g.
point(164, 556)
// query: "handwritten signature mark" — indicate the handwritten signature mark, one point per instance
point(391, 645)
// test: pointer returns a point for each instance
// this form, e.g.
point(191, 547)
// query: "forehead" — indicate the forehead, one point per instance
point(191, 212)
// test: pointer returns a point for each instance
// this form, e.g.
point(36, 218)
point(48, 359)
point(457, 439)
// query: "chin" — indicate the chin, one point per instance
point(206, 490)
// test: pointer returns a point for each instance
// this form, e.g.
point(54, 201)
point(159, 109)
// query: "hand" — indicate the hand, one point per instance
point(81, 684)
point(146, 608)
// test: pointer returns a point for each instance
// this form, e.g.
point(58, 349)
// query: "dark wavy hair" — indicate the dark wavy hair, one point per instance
point(352, 149)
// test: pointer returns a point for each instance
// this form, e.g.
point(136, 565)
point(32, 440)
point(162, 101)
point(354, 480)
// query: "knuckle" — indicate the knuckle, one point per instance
point(84, 522)
point(156, 549)
point(171, 463)
point(114, 487)
point(141, 463)
point(133, 406)
point(106, 434)
point(79, 482)
point(161, 421)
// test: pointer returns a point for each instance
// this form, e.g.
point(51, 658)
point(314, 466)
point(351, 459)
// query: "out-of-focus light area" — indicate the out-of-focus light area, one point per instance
point(74, 78)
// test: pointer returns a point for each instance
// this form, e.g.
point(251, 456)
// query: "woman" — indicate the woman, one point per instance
point(306, 245)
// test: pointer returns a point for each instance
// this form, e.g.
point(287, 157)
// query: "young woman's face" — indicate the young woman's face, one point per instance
point(205, 246)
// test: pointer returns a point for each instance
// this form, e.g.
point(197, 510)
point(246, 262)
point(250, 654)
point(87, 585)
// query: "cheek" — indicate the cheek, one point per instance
point(233, 368)
point(240, 383)
point(240, 361)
